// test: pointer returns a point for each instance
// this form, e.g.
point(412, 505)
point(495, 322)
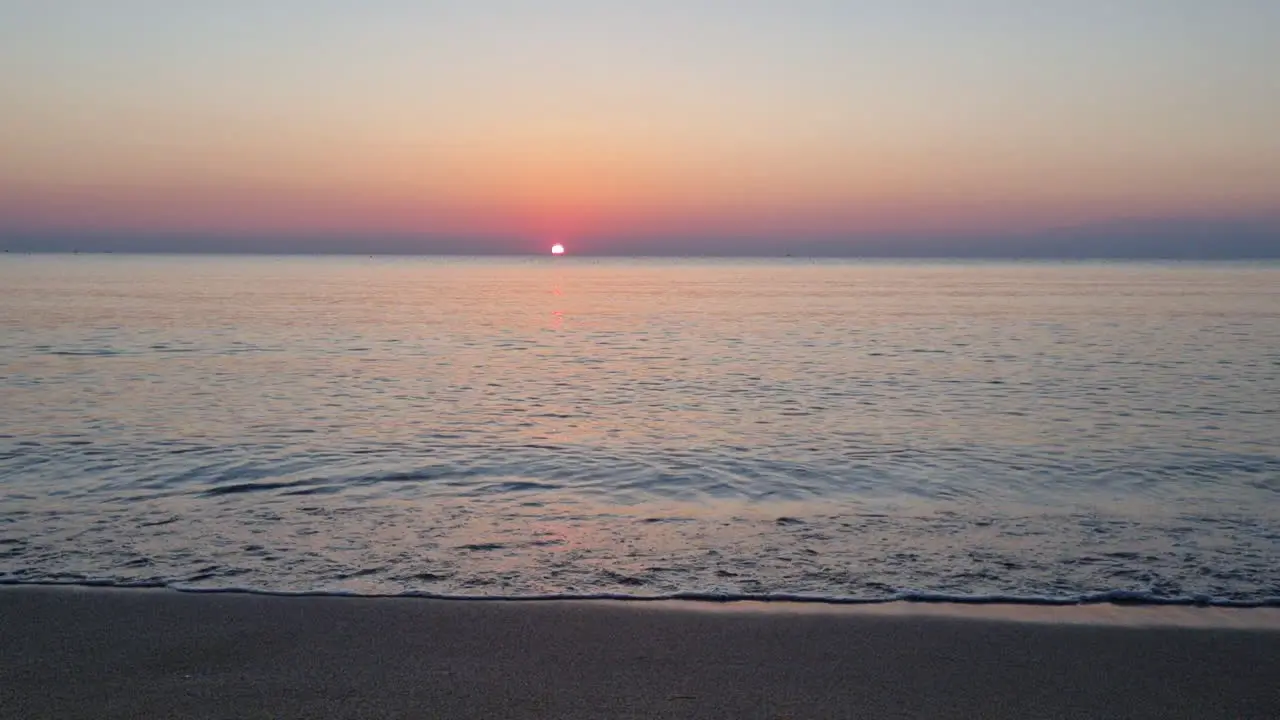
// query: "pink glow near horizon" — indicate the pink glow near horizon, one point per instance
point(598, 120)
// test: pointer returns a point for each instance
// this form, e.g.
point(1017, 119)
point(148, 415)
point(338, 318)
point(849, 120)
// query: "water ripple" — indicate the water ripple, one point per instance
point(642, 429)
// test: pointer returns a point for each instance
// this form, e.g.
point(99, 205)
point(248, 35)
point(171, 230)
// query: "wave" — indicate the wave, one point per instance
point(1107, 597)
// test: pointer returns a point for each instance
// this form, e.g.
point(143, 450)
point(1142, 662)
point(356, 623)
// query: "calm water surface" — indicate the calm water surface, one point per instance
point(572, 427)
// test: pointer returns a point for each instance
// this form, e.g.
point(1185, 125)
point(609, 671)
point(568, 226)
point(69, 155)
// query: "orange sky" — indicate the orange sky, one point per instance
point(579, 120)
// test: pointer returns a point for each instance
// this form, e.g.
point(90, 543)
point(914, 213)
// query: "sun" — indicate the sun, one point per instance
point(557, 249)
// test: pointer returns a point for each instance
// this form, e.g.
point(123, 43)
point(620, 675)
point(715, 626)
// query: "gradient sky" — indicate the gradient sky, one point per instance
point(585, 120)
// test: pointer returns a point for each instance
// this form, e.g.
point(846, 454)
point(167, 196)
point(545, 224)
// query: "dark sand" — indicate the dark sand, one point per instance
point(74, 653)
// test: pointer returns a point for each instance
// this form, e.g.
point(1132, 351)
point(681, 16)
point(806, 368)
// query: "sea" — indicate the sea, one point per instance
point(790, 429)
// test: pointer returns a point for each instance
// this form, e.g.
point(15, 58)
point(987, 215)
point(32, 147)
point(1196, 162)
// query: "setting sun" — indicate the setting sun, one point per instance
point(557, 249)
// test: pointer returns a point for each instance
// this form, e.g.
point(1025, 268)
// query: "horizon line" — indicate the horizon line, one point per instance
point(1133, 258)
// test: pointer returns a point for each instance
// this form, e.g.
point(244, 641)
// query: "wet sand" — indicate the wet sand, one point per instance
point(92, 653)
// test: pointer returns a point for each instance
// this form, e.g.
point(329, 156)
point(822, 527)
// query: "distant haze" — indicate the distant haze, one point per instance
point(988, 128)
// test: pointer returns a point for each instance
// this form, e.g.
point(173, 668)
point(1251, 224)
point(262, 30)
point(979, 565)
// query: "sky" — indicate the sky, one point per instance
point(680, 126)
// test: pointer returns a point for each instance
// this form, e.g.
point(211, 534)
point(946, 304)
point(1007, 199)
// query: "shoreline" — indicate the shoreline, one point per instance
point(71, 652)
point(1124, 609)
point(1121, 612)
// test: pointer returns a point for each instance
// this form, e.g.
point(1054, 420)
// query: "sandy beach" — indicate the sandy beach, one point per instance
point(93, 653)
